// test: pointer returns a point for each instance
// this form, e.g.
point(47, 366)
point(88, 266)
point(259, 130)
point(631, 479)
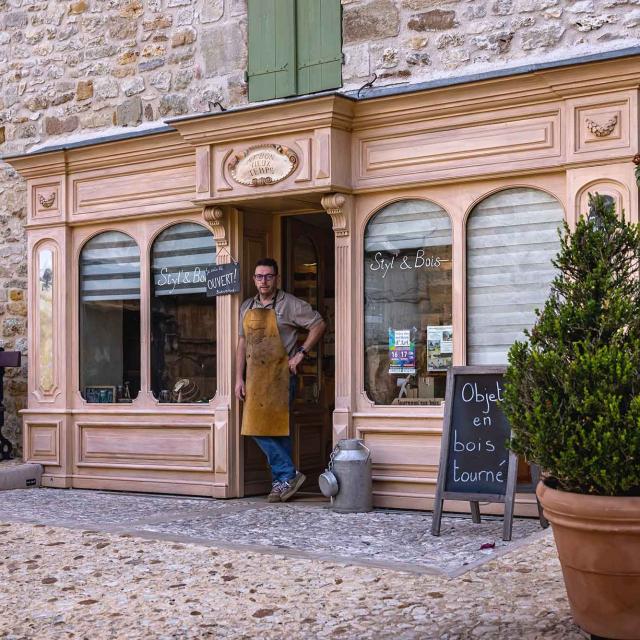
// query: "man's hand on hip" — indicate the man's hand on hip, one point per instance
point(294, 362)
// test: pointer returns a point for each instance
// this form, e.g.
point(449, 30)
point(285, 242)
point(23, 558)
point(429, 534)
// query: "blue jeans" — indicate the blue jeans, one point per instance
point(278, 448)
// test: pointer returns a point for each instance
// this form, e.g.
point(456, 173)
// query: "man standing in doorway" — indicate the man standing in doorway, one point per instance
point(268, 332)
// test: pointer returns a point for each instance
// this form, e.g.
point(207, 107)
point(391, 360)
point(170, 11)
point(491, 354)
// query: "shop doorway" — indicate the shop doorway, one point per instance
point(307, 259)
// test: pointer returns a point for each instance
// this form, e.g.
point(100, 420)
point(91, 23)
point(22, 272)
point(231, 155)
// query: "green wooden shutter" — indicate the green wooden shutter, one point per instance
point(272, 51)
point(319, 45)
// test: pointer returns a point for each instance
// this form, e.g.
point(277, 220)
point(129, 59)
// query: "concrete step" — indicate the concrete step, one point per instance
point(21, 475)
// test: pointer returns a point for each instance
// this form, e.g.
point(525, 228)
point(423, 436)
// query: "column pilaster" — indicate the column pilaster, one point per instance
point(340, 207)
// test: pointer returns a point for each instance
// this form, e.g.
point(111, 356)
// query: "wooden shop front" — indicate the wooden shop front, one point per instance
point(421, 224)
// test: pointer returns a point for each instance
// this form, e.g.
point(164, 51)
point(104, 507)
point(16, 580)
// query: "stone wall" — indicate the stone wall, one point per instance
point(72, 68)
point(417, 40)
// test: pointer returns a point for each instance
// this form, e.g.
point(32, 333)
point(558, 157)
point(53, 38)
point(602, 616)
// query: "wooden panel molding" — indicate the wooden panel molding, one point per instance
point(145, 445)
point(487, 144)
point(45, 323)
point(600, 126)
point(42, 441)
point(399, 452)
point(203, 169)
point(143, 189)
point(47, 201)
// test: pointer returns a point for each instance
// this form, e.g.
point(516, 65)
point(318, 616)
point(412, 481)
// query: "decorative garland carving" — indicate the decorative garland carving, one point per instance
point(47, 202)
point(214, 217)
point(602, 130)
point(334, 205)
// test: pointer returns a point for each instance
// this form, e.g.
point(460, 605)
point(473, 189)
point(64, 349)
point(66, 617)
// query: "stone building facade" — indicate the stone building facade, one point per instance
point(81, 68)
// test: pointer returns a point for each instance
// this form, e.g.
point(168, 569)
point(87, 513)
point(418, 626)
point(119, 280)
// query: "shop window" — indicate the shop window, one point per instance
point(110, 318)
point(407, 304)
point(295, 47)
point(512, 237)
point(183, 318)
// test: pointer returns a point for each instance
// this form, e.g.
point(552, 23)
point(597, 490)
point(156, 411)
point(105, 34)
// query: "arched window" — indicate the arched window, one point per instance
point(183, 318)
point(512, 237)
point(110, 318)
point(407, 303)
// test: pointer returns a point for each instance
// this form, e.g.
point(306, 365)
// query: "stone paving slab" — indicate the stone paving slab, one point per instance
point(68, 584)
point(393, 539)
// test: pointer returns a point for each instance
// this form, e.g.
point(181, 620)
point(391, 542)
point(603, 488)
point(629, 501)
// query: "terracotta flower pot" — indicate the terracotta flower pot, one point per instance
point(598, 541)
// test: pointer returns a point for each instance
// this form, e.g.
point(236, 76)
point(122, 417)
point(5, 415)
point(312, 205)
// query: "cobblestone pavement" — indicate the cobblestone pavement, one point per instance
point(87, 564)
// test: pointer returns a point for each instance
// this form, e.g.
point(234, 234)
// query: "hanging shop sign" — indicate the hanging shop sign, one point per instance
point(262, 165)
point(223, 279)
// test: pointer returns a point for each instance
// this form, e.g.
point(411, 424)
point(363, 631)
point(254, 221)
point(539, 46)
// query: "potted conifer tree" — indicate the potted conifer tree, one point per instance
point(572, 395)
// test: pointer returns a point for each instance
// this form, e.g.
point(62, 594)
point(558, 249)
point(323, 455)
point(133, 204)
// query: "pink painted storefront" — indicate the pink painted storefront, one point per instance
point(427, 216)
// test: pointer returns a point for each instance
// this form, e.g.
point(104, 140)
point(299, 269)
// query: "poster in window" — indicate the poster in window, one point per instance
point(402, 352)
point(439, 347)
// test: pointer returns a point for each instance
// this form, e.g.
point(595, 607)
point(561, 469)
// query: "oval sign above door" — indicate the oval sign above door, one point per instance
point(262, 165)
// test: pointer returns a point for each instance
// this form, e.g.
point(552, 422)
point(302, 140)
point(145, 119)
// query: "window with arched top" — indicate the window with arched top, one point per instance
point(408, 334)
point(183, 318)
point(512, 238)
point(110, 318)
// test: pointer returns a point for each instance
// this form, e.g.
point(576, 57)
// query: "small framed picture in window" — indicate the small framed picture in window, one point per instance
point(101, 394)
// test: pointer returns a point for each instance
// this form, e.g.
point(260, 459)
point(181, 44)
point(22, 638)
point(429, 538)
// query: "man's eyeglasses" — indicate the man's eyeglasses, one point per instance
point(268, 277)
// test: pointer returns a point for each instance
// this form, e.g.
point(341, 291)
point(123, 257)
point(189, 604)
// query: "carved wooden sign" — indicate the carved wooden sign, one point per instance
point(263, 164)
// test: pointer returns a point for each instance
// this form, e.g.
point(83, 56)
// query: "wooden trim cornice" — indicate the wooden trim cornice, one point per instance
point(342, 113)
point(102, 155)
point(495, 93)
point(41, 165)
point(333, 111)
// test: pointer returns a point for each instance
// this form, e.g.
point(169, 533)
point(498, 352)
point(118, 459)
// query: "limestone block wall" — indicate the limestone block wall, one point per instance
point(70, 68)
point(418, 40)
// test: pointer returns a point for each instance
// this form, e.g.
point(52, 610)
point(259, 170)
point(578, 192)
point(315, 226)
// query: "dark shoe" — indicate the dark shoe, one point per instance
point(276, 492)
point(289, 487)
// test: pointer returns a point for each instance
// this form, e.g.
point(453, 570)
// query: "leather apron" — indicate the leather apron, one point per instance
point(266, 405)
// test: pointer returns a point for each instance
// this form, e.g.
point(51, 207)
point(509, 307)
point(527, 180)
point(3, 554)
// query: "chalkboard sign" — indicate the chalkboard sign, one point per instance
point(475, 464)
point(223, 279)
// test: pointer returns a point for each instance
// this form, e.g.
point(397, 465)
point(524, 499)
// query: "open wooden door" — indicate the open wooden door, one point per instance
point(256, 245)
point(308, 273)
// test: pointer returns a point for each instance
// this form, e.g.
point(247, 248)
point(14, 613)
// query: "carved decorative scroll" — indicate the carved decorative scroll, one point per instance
point(602, 130)
point(214, 217)
point(334, 205)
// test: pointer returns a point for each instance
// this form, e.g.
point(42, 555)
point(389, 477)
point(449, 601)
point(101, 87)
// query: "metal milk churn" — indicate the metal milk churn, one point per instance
point(347, 481)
